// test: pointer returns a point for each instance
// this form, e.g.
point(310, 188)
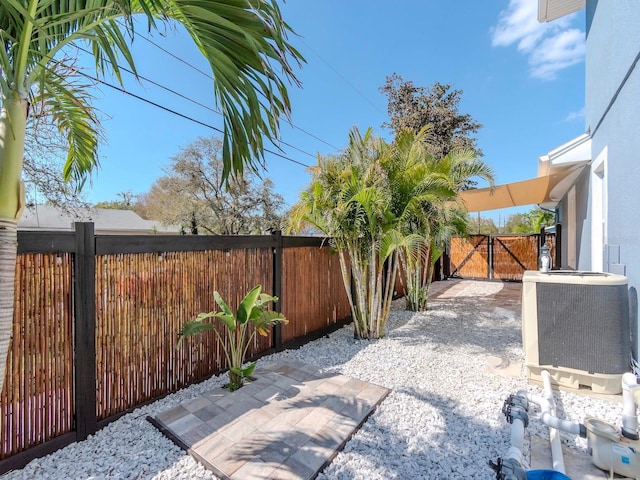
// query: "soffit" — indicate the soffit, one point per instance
point(576, 151)
point(549, 10)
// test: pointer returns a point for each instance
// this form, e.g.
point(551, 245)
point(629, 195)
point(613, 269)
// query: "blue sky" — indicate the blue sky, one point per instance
point(522, 80)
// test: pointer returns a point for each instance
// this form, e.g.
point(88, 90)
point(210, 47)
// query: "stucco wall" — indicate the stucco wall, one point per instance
point(580, 237)
point(613, 44)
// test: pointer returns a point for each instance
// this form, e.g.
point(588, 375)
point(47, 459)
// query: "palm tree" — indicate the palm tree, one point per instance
point(244, 41)
point(349, 200)
point(426, 187)
point(421, 191)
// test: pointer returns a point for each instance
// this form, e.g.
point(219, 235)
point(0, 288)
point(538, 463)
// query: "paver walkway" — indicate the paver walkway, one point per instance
point(288, 424)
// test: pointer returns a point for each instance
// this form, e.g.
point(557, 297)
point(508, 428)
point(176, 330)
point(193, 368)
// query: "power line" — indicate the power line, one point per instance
point(181, 115)
point(208, 75)
point(137, 34)
point(189, 99)
point(343, 78)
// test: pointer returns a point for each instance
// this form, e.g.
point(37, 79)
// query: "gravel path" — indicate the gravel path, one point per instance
point(441, 421)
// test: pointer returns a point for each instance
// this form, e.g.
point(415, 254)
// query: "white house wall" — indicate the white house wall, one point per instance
point(576, 226)
point(612, 68)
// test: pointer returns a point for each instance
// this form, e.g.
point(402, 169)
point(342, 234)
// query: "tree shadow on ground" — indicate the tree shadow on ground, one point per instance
point(446, 441)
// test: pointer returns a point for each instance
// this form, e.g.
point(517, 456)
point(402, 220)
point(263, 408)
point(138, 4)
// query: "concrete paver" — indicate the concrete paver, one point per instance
point(288, 424)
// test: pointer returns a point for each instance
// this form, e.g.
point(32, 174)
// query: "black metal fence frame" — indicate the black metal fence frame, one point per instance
point(85, 246)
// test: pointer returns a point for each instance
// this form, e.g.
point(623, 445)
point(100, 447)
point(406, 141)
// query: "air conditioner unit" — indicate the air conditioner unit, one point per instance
point(576, 326)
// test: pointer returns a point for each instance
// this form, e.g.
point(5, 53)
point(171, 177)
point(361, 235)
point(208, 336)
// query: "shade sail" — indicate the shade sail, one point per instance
point(546, 189)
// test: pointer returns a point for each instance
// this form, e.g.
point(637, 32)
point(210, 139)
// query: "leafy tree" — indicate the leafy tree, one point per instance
point(421, 187)
point(516, 223)
point(244, 41)
point(384, 205)
point(126, 202)
point(539, 218)
point(415, 107)
point(529, 222)
point(192, 194)
point(480, 225)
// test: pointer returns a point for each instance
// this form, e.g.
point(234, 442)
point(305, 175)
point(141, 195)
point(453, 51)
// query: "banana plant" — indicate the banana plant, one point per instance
point(236, 328)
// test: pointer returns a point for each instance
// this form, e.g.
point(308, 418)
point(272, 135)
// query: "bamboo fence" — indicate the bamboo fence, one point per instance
point(513, 255)
point(314, 295)
point(143, 300)
point(36, 404)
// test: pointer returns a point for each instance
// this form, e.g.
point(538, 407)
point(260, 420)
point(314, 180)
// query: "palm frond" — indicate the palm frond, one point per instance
point(245, 42)
point(69, 102)
point(246, 45)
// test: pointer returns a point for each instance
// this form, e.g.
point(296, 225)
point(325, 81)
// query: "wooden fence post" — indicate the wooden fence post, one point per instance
point(84, 287)
point(277, 287)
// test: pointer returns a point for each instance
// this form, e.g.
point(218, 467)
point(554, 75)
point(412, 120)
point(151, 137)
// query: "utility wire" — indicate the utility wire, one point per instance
point(343, 78)
point(195, 102)
point(182, 115)
point(208, 75)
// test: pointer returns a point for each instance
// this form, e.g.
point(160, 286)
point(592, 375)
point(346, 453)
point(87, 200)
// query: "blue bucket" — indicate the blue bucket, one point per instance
point(546, 475)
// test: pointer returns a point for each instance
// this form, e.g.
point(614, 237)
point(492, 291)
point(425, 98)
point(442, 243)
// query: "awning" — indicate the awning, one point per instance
point(557, 172)
point(546, 189)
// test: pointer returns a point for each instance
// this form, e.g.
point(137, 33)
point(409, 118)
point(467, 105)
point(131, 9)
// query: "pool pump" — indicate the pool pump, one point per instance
point(616, 451)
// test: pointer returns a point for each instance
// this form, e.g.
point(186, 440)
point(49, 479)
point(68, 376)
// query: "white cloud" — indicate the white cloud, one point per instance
point(575, 115)
point(550, 46)
point(555, 53)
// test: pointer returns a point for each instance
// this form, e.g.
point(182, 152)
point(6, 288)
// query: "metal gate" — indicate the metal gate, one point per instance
point(500, 257)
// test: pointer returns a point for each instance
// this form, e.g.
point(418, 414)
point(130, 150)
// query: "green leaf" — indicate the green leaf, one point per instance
point(266, 320)
point(194, 327)
point(247, 304)
point(229, 321)
point(246, 372)
point(264, 299)
point(221, 303)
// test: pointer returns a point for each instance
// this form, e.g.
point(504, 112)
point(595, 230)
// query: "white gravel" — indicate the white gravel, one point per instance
point(442, 419)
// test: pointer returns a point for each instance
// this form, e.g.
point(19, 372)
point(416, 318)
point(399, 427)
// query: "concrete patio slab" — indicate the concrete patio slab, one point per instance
point(577, 465)
point(287, 424)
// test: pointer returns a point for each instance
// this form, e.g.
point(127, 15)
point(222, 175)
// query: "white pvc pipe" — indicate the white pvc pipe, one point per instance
point(554, 434)
point(547, 418)
point(517, 442)
point(629, 408)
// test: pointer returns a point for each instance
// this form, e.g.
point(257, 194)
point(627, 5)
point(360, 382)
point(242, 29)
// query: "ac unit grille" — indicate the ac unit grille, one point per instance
point(585, 327)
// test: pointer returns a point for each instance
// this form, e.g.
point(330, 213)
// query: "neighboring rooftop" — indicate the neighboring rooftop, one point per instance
point(106, 221)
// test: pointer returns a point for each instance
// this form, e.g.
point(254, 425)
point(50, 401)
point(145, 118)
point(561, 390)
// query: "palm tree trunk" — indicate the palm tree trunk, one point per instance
point(8, 252)
point(426, 279)
point(374, 287)
point(13, 118)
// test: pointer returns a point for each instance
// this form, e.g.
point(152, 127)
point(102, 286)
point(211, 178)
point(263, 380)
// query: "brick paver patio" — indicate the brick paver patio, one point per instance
point(288, 424)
